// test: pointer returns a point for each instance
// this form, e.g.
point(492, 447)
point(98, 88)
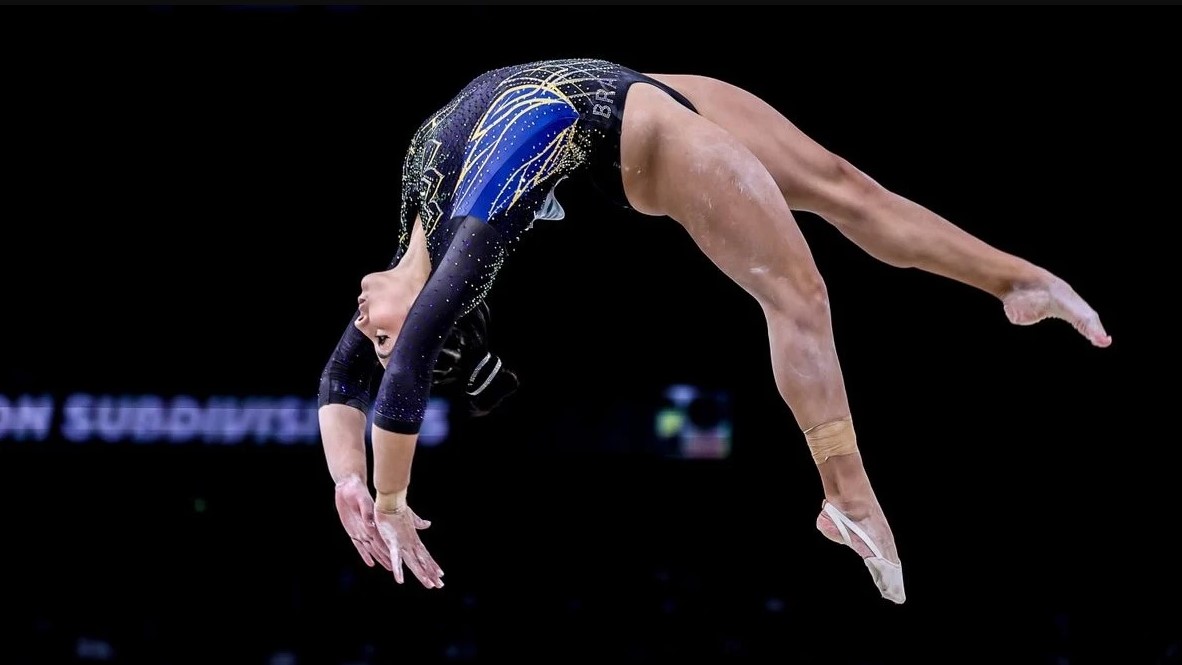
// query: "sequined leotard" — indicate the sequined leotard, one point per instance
point(478, 173)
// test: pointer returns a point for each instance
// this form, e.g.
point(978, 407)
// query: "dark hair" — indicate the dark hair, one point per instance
point(468, 372)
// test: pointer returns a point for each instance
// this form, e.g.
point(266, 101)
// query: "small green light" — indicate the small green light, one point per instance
point(669, 423)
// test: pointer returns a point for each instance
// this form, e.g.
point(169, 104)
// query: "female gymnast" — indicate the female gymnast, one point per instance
point(717, 159)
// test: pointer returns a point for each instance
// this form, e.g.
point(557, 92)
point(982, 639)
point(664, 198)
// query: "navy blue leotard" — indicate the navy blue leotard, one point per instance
point(479, 172)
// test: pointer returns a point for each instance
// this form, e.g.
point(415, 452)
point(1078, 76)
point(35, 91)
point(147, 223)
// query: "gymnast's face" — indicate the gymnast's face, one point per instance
point(382, 305)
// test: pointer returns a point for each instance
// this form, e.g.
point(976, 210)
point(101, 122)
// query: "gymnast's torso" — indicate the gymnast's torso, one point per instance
point(498, 149)
point(477, 175)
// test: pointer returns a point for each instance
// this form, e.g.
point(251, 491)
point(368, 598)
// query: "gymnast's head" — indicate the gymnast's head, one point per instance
point(385, 299)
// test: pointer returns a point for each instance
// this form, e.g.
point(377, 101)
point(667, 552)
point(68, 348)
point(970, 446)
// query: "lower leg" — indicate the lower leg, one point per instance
point(903, 233)
point(851, 514)
point(808, 376)
point(847, 487)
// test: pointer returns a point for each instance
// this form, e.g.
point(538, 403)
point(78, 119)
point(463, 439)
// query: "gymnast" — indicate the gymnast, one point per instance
point(717, 159)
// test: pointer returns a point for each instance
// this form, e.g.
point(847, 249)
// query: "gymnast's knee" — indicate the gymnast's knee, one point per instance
point(800, 300)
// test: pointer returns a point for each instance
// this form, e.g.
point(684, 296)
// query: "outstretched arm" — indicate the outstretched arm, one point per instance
point(456, 287)
point(346, 392)
point(344, 400)
point(464, 273)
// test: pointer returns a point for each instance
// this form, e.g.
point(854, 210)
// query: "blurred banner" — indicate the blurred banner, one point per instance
point(179, 419)
point(684, 421)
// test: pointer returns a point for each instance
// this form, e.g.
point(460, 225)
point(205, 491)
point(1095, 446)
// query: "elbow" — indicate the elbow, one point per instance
point(338, 388)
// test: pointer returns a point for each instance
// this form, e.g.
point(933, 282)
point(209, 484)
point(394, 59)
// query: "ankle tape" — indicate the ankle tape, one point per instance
point(835, 437)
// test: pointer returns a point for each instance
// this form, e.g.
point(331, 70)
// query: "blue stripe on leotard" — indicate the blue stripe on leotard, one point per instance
point(514, 148)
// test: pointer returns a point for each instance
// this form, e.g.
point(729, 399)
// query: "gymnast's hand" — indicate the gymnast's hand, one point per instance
point(399, 526)
point(356, 510)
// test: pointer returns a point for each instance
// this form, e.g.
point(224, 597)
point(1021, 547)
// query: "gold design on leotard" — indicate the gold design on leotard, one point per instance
point(571, 81)
point(431, 180)
point(504, 113)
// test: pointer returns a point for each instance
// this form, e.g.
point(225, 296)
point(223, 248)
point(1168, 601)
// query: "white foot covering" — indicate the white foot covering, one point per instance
point(888, 575)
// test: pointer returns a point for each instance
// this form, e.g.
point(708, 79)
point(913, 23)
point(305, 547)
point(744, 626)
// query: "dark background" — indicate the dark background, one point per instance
point(190, 197)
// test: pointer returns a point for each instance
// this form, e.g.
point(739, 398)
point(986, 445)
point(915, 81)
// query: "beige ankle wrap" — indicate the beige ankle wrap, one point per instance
point(835, 437)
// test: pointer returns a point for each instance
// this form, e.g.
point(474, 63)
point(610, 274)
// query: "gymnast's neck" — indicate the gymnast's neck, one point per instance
point(416, 262)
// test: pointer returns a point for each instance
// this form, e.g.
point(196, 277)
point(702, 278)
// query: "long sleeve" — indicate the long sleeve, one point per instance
point(348, 376)
point(457, 286)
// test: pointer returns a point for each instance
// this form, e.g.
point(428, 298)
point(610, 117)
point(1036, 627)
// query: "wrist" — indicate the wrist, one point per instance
point(349, 479)
point(390, 502)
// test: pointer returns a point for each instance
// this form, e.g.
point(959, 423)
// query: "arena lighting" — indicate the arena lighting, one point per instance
point(693, 423)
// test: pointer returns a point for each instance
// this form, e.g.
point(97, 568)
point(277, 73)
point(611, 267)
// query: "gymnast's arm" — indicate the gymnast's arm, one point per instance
point(343, 404)
point(401, 404)
point(344, 399)
point(473, 253)
point(346, 383)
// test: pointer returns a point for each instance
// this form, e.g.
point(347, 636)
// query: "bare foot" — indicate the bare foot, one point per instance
point(1055, 300)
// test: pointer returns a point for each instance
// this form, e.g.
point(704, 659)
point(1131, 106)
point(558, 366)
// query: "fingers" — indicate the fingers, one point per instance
point(361, 549)
point(429, 561)
point(357, 536)
point(377, 549)
point(431, 575)
point(424, 567)
point(406, 548)
point(358, 519)
point(390, 538)
point(371, 549)
point(420, 523)
point(396, 562)
point(376, 544)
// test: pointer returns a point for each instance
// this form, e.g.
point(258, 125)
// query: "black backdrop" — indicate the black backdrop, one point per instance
point(191, 196)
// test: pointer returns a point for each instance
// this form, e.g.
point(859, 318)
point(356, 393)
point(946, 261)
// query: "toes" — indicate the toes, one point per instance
point(1101, 339)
